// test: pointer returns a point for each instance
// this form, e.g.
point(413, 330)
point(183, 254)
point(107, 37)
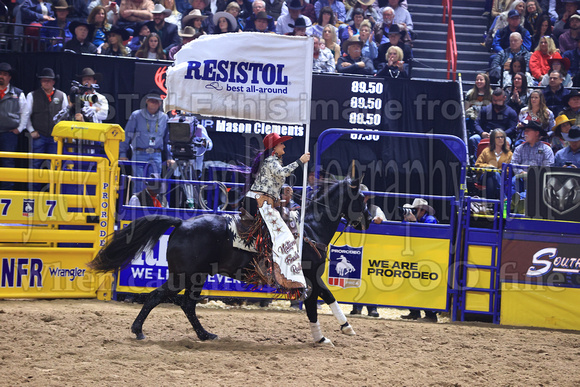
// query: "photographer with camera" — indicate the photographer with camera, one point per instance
point(84, 103)
point(146, 133)
point(420, 211)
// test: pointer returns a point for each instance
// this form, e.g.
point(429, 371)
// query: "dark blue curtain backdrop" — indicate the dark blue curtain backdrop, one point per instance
point(338, 101)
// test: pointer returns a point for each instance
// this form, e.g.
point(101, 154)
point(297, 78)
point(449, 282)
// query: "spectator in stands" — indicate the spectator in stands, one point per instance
point(563, 125)
point(141, 32)
point(502, 20)
point(146, 133)
point(402, 16)
point(569, 156)
point(535, 111)
point(150, 196)
point(569, 39)
point(476, 98)
point(563, 24)
point(395, 65)
point(234, 9)
point(382, 27)
point(56, 38)
point(307, 10)
point(175, 16)
point(496, 115)
point(502, 38)
point(532, 152)
point(337, 7)
point(294, 13)
point(354, 62)
point(260, 24)
point(81, 43)
point(369, 49)
point(98, 19)
point(274, 8)
point(500, 6)
point(533, 12)
point(497, 153)
point(518, 93)
point(257, 7)
point(187, 35)
point(92, 112)
point(330, 41)
point(111, 9)
point(323, 58)
point(572, 105)
point(345, 31)
point(43, 105)
point(543, 28)
point(13, 119)
point(36, 11)
point(394, 37)
point(168, 33)
point(194, 19)
point(539, 65)
point(502, 60)
point(151, 48)
point(554, 93)
point(370, 13)
point(299, 27)
point(556, 62)
point(133, 11)
point(326, 17)
point(114, 45)
point(517, 65)
point(245, 10)
point(225, 22)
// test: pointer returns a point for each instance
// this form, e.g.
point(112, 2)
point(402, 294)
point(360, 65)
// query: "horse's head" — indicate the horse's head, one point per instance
point(355, 210)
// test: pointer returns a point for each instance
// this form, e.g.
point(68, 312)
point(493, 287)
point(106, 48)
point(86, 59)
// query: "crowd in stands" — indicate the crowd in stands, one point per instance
point(158, 29)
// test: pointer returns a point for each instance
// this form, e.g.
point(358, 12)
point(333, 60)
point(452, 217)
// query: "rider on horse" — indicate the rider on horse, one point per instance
point(279, 263)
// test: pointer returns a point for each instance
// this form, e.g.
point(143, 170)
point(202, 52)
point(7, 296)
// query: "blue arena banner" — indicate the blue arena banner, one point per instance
point(345, 266)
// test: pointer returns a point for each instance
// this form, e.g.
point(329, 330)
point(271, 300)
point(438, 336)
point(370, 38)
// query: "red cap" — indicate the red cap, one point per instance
point(273, 139)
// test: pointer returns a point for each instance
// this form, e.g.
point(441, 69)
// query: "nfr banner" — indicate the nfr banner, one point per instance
point(251, 76)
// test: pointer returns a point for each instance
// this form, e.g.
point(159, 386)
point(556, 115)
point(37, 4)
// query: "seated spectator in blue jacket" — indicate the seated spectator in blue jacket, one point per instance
point(555, 92)
point(493, 116)
point(260, 23)
point(258, 6)
point(570, 155)
point(345, 31)
point(81, 43)
point(36, 11)
point(166, 31)
point(501, 40)
point(55, 37)
point(502, 60)
point(354, 62)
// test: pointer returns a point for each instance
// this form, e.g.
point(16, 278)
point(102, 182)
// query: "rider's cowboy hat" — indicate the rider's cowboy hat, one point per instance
point(420, 204)
point(273, 139)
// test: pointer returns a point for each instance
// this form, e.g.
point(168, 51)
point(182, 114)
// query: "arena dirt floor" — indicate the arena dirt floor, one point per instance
point(88, 342)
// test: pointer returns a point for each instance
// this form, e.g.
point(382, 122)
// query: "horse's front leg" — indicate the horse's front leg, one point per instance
point(312, 313)
point(327, 296)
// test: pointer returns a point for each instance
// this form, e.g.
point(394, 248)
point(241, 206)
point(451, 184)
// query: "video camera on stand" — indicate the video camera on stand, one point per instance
point(186, 139)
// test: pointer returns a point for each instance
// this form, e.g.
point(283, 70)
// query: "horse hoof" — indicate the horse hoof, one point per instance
point(208, 337)
point(324, 342)
point(140, 336)
point(347, 330)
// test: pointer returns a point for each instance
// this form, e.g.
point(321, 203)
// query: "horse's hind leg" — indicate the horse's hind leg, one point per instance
point(188, 305)
point(154, 298)
point(312, 313)
point(327, 296)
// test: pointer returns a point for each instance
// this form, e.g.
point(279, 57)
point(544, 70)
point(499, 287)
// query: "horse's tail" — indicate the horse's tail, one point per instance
point(126, 243)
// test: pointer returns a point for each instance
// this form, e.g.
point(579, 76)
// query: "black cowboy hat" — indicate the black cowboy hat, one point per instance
point(47, 73)
point(573, 134)
point(299, 23)
point(119, 31)
point(61, 5)
point(534, 125)
point(295, 4)
point(73, 25)
point(153, 94)
point(262, 15)
point(89, 72)
point(6, 68)
point(573, 93)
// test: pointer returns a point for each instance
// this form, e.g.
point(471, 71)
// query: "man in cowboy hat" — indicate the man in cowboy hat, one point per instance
point(59, 34)
point(569, 156)
point(259, 6)
point(354, 62)
point(146, 133)
point(533, 151)
point(43, 105)
point(80, 43)
point(299, 27)
point(13, 117)
point(294, 13)
point(572, 105)
point(168, 33)
point(187, 35)
point(394, 38)
point(260, 23)
point(91, 111)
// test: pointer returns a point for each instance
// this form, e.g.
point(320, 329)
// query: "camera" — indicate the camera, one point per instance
point(404, 212)
point(92, 98)
point(186, 139)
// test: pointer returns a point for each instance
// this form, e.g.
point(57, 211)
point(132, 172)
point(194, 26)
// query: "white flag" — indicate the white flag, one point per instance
point(247, 75)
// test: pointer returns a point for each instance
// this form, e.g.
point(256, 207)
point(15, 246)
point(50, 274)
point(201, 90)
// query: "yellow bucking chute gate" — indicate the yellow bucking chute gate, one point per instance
point(57, 223)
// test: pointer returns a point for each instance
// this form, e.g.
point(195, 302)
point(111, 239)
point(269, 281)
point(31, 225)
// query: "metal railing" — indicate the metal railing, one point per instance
point(451, 51)
point(29, 38)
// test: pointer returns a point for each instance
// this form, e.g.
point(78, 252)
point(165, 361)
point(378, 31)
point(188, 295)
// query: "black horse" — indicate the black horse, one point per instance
point(202, 246)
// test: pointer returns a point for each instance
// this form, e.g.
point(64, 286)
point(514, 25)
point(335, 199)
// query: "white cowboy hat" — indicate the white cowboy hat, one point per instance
point(421, 204)
point(161, 9)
